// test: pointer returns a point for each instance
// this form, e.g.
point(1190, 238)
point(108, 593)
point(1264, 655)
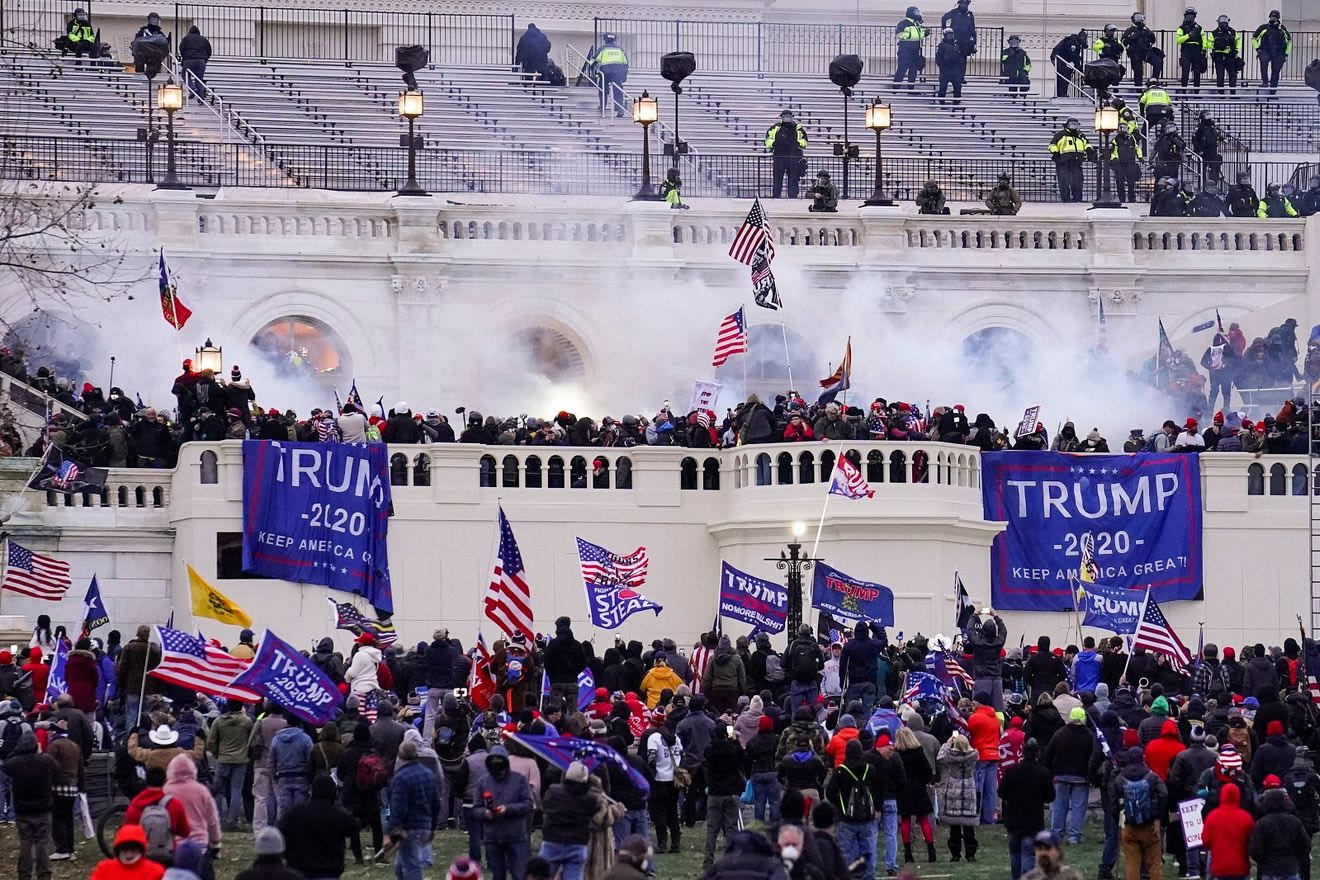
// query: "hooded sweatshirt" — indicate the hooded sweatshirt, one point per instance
point(1161, 752)
point(1226, 834)
point(203, 818)
point(361, 673)
point(726, 671)
point(1279, 841)
point(1086, 671)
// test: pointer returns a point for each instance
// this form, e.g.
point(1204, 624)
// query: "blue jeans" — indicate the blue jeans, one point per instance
point(131, 703)
point(1069, 809)
point(987, 789)
point(412, 855)
point(289, 793)
point(611, 80)
point(227, 787)
point(1109, 853)
point(570, 857)
point(6, 798)
point(863, 691)
point(857, 840)
point(802, 693)
point(474, 827)
point(632, 822)
point(889, 814)
point(1021, 853)
point(508, 861)
point(766, 791)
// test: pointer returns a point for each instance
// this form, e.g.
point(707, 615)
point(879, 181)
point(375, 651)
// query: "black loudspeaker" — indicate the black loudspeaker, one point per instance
point(846, 71)
point(149, 53)
point(411, 59)
point(676, 67)
point(1103, 74)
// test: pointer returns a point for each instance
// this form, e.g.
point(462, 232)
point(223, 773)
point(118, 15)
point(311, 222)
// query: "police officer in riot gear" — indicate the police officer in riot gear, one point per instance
point(1138, 40)
point(909, 33)
point(1068, 149)
point(1067, 57)
point(1192, 43)
point(1273, 43)
point(786, 141)
point(1226, 53)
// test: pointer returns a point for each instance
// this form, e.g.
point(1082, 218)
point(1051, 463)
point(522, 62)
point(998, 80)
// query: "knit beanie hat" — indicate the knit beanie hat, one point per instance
point(463, 868)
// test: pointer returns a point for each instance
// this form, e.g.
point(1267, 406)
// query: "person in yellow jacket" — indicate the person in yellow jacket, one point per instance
point(612, 64)
point(1273, 44)
point(1068, 149)
point(1225, 45)
point(1155, 103)
point(658, 679)
point(79, 38)
point(1193, 45)
point(909, 33)
point(786, 142)
point(1275, 203)
point(1107, 45)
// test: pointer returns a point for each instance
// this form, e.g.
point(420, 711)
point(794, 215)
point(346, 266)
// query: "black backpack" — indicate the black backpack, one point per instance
point(803, 662)
point(859, 806)
point(11, 731)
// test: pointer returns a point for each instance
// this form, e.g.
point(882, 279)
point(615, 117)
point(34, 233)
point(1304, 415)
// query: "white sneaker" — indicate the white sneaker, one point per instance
point(61, 857)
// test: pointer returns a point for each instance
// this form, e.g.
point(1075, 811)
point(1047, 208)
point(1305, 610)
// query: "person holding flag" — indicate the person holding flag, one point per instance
point(986, 637)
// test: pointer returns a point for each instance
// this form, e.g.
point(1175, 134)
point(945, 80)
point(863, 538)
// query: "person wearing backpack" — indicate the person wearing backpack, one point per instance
point(33, 777)
point(854, 788)
point(163, 818)
point(291, 759)
point(268, 724)
point(12, 728)
point(362, 801)
point(1142, 797)
point(203, 816)
point(804, 663)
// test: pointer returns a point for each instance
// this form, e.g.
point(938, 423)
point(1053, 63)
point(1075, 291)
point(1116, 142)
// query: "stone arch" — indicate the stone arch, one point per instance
point(688, 474)
point(421, 469)
point(710, 474)
point(509, 472)
point(554, 472)
point(1255, 479)
point(209, 468)
point(532, 477)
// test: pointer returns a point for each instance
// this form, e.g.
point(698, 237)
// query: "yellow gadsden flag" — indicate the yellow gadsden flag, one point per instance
point(207, 601)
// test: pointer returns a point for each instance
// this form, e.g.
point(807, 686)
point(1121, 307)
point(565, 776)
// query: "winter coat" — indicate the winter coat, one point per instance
point(314, 833)
point(1227, 833)
point(802, 770)
point(203, 817)
point(657, 679)
point(1086, 671)
point(1043, 722)
point(327, 661)
point(564, 657)
point(1161, 753)
point(361, 673)
point(1279, 841)
point(986, 647)
point(958, 804)
point(983, 732)
point(81, 674)
point(724, 762)
point(1025, 790)
point(749, 856)
point(129, 669)
point(515, 795)
point(1186, 769)
point(1069, 751)
point(160, 756)
point(725, 672)
point(1134, 771)
point(414, 798)
point(1259, 672)
point(439, 665)
point(1273, 757)
point(913, 796)
point(858, 660)
point(32, 776)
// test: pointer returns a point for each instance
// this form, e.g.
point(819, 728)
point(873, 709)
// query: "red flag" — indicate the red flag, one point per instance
point(175, 312)
point(481, 685)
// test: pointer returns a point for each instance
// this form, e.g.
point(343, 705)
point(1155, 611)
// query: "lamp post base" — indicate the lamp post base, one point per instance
point(647, 195)
point(878, 201)
point(411, 188)
point(1107, 202)
point(172, 184)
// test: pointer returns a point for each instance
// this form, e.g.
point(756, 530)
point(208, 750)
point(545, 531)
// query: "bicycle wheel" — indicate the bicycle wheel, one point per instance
point(107, 826)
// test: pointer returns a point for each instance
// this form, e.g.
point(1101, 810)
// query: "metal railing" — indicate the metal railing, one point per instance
point(1305, 48)
point(1261, 126)
point(781, 47)
point(512, 171)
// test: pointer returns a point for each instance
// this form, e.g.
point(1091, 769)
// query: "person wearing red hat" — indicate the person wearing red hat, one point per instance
point(1189, 439)
point(1275, 756)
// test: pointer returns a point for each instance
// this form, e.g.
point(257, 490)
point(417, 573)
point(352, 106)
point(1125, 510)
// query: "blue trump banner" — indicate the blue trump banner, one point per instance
point(318, 513)
point(1114, 609)
point(285, 677)
point(846, 598)
point(58, 682)
point(1142, 514)
point(763, 604)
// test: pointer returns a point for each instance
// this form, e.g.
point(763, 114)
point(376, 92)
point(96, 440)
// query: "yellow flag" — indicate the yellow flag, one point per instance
point(207, 601)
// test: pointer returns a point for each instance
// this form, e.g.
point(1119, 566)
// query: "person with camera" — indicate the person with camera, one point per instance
point(786, 142)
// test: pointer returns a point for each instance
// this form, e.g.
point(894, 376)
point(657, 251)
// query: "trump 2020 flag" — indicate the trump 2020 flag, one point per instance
point(95, 614)
point(57, 682)
point(285, 677)
point(849, 482)
point(586, 689)
point(611, 582)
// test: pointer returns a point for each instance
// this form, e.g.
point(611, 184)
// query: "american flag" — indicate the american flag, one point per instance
point(923, 686)
point(731, 339)
point(764, 289)
point(1155, 634)
point(754, 232)
point(564, 750)
point(349, 618)
point(370, 707)
point(600, 566)
point(191, 662)
point(508, 597)
point(950, 671)
point(32, 574)
point(848, 481)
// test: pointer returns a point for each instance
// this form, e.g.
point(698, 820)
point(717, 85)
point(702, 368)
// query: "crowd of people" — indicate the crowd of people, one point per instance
point(823, 760)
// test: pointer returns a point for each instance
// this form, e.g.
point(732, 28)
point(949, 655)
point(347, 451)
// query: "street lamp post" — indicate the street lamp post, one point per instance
point(646, 110)
point(794, 562)
point(170, 99)
point(878, 119)
point(1106, 122)
point(411, 108)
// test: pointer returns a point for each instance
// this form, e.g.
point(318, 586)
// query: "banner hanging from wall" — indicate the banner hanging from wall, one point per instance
point(318, 514)
point(763, 604)
point(847, 598)
point(1142, 512)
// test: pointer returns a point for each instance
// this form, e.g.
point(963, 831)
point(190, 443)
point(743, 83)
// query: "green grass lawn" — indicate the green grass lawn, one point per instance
point(991, 863)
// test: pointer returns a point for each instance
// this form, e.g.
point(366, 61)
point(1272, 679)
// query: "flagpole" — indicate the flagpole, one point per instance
point(745, 354)
point(788, 362)
point(19, 498)
point(1141, 615)
point(825, 506)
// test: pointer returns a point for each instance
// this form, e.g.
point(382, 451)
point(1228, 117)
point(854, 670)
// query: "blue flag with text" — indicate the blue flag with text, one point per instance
point(1111, 608)
point(1141, 513)
point(763, 604)
point(281, 674)
point(318, 513)
point(845, 597)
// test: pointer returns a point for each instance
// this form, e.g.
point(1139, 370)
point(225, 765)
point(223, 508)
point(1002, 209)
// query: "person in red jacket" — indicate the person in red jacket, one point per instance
point(82, 675)
point(1226, 834)
point(130, 860)
point(154, 792)
point(1163, 749)
point(797, 430)
point(1010, 746)
point(39, 671)
point(983, 732)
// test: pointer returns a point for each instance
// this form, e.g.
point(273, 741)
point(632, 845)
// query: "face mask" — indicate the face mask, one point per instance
point(790, 853)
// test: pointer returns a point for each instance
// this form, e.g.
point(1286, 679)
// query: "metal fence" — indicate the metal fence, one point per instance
point(383, 169)
point(1261, 126)
point(287, 32)
point(1305, 49)
point(775, 47)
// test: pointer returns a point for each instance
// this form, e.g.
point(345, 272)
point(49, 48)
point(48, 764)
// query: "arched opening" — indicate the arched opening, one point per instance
point(784, 475)
point(875, 466)
point(806, 468)
point(1278, 479)
point(1000, 355)
point(1299, 479)
point(398, 469)
point(578, 472)
point(1255, 479)
point(763, 469)
point(623, 472)
point(486, 475)
point(920, 467)
point(421, 469)
point(139, 496)
point(710, 474)
point(532, 472)
point(555, 472)
point(897, 467)
point(826, 465)
point(509, 468)
point(304, 348)
point(550, 353)
point(210, 469)
point(157, 497)
point(688, 474)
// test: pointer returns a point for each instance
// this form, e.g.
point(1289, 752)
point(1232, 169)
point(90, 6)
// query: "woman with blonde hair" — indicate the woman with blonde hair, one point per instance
point(958, 807)
point(914, 797)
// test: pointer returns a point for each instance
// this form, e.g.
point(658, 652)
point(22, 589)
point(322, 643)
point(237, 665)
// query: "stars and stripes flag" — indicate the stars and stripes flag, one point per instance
point(35, 575)
point(600, 566)
point(347, 617)
point(731, 338)
point(189, 661)
point(848, 481)
point(508, 596)
point(923, 686)
point(1155, 634)
point(175, 312)
point(753, 236)
point(369, 707)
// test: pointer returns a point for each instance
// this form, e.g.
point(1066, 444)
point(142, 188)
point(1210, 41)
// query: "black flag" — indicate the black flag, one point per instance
point(965, 610)
point(60, 473)
point(763, 280)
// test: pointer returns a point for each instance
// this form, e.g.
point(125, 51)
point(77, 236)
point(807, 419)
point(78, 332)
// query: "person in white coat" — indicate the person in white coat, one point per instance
point(361, 672)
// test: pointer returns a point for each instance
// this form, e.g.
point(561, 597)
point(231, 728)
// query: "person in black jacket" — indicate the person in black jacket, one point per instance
point(567, 808)
point(1069, 757)
point(438, 674)
point(1043, 669)
point(802, 664)
point(1023, 793)
point(1274, 756)
point(951, 59)
point(400, 426)
point(1279, 843)
point(1067, 57)
point(725, 778)
point(564, 659)
point(749, 854)
point(315, 832)
point(533, 50)
point(986, 637)
point(857, 665)
point(194, 52)
point(32, 776)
